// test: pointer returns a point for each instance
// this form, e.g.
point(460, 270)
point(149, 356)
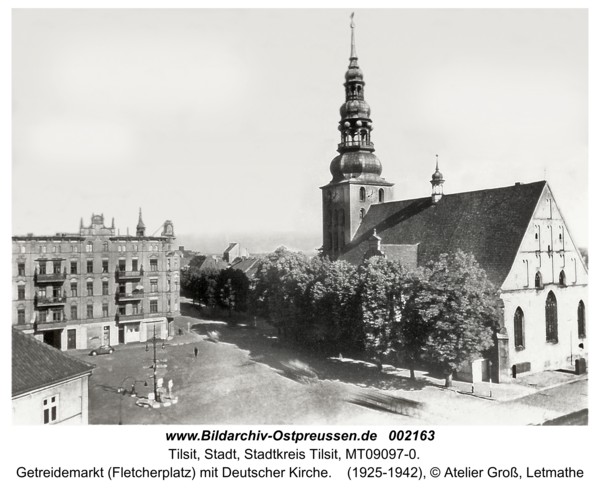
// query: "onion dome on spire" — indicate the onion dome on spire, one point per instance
point(356, 159)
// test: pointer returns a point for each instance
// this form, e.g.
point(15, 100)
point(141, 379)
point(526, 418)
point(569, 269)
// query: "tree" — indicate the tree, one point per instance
point(458, 306)
point(231, 288)
point(281, 282)
point(382, 287)
point(332, 297)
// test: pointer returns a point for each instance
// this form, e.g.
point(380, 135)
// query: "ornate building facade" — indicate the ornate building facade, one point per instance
point(96, 287)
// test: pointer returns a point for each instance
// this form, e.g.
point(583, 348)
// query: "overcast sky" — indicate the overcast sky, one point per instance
point(225, 121)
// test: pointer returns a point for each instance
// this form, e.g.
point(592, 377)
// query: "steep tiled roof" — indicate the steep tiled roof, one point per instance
point(248, 266)
point(488, 223)
point(35, 364)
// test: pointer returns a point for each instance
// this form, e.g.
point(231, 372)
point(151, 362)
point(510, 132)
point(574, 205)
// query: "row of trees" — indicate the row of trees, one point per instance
point(225, 288)
point(443, 314)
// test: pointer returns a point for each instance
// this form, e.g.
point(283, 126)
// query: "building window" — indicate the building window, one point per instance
point(56, 291)
point(362, 194)
point(90, 288)
point(153, 306)
point(122, 310)
point(57, 315)
point(122, 265)
point(56, 266)
point(105, 266)
point(21, 269)
point(562, 279)
point(134, 309)
point(73, 267)
point(362, 213)
point(90, 266)
point(381, 195)
point(42, 267)
point(538, 280)
point(90, 311)
point(134, 265)
point(168, 285)
point(551, 319)
point(154, 265)
point(581, 320)
point(342, 223)
point(73, 312)
point(89, 247)
point(73, 289)
point(42, 316)
point(22, 249)
point(105, 246)
point(519, 333)
point(336, 218)
point(51, 409)
point(21, 292)
point(105, 287)
point(104, 310)
point(21, 316)
point(154, 286)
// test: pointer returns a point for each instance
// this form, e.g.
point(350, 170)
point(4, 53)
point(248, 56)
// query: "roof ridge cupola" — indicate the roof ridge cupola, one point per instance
point(356, 159)
point(437, 183)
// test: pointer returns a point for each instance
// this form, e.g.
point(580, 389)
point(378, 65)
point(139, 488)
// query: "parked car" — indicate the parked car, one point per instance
point(103, 349)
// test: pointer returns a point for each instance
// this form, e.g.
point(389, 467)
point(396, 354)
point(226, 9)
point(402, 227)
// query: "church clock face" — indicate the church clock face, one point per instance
point(371, 194)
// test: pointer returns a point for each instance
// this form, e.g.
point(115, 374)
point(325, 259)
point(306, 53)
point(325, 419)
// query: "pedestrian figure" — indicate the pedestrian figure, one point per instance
point(195, 351)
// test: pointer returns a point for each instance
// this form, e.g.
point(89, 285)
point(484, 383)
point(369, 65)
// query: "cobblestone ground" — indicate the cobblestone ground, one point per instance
point(242, 375)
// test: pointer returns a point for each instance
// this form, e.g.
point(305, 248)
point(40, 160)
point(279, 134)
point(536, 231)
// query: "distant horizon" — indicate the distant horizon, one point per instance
point(112, 111)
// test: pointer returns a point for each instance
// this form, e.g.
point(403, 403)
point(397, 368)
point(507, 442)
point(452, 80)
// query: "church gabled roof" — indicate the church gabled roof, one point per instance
point(488, 223)
point(36, 365)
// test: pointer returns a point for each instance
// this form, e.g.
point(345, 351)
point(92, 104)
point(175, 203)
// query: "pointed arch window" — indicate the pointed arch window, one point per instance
point(581, 320)
point(562, 278)
point(381, 195)
point(551, 319)
point(362, 194)
point(539, 284)
point(519, 329)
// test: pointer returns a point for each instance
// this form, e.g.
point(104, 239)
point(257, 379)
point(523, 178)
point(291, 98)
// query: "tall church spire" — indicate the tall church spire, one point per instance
point(356, 181)
point(356, 159)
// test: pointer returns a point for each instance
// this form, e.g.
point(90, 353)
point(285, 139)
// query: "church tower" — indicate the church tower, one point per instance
point(356, 181)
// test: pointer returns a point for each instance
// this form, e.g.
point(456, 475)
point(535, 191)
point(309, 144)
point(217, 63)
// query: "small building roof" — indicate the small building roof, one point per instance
point(488, 223)
point(36, 365)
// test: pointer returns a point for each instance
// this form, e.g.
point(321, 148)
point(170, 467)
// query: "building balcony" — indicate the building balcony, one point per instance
point(134, 296)
point(129, 275)
point(129, 317)
point(356, 145)
point(50, 324)
point(48, 278)
point(40, 301)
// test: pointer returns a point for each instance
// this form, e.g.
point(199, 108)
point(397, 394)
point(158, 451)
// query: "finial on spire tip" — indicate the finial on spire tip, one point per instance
point(352, 20)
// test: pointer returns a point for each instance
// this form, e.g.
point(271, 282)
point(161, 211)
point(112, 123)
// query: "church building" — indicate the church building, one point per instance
point(516, 233)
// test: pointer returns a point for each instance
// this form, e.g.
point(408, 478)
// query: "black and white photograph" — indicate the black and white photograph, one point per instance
point(343, 217)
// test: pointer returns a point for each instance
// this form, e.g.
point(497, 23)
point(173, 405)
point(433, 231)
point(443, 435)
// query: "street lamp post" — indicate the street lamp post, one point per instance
point(122, 392)
point(154, 361)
